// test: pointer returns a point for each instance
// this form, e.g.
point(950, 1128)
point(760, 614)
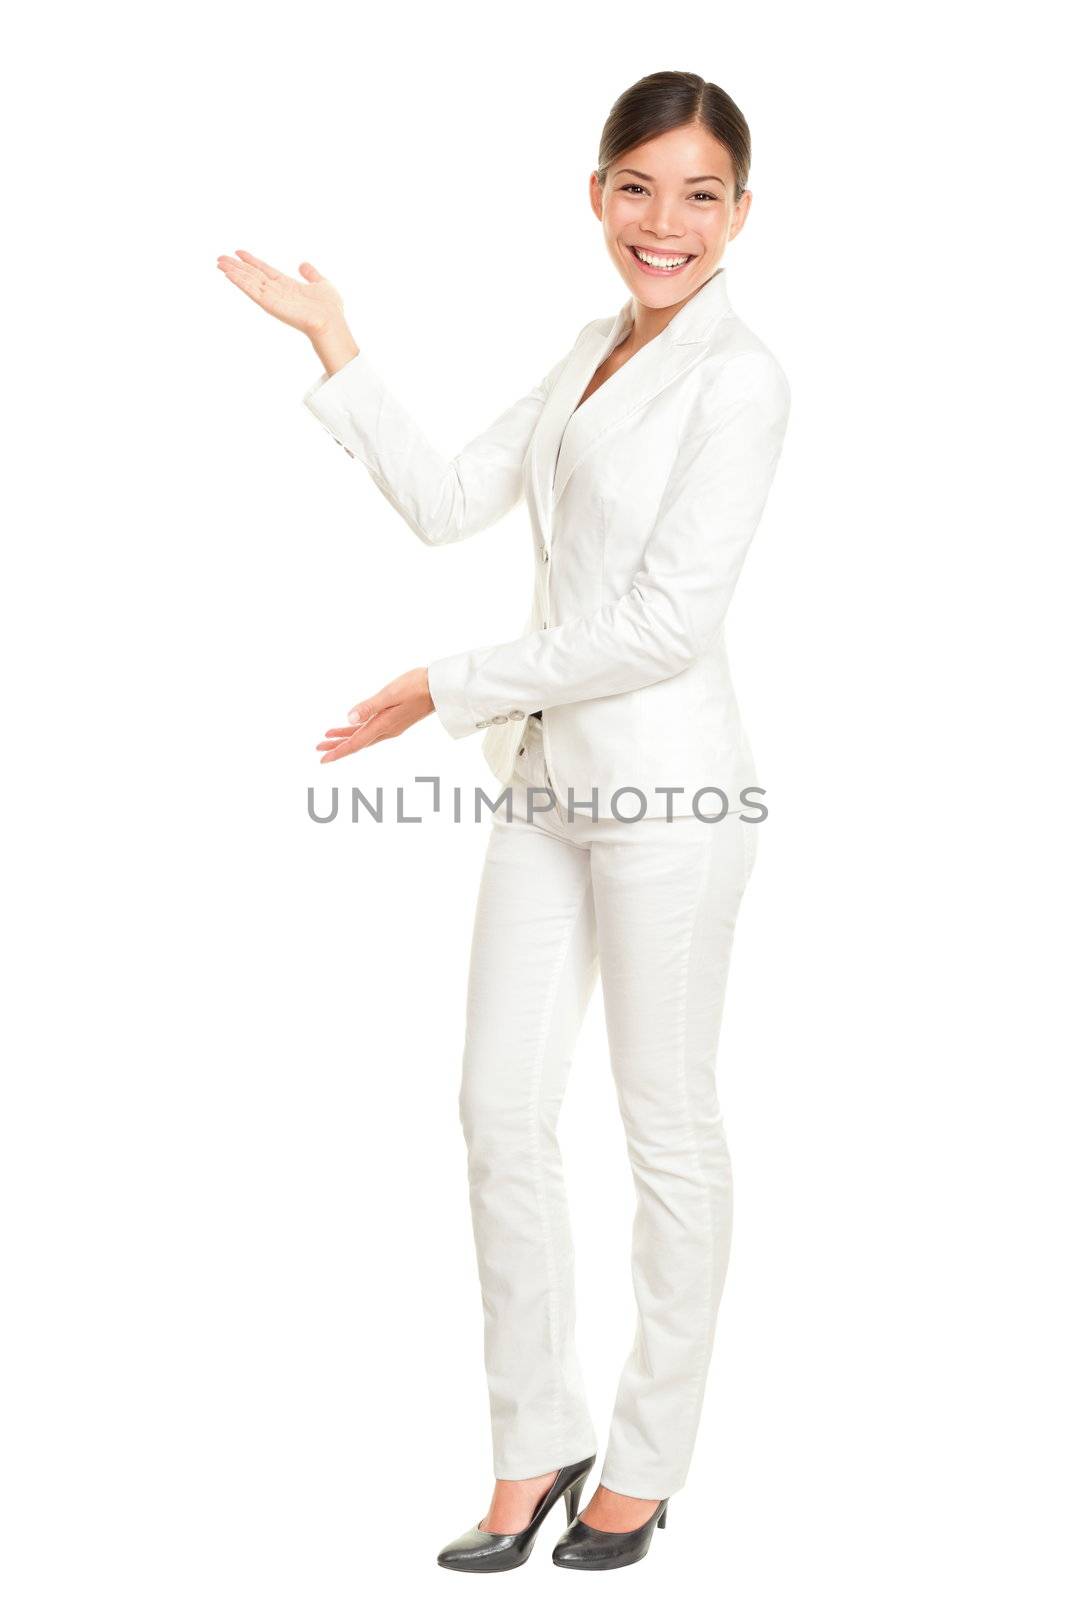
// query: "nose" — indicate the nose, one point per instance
point(660, 221)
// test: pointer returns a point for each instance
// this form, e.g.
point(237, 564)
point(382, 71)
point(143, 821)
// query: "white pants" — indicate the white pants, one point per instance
point(652, 904)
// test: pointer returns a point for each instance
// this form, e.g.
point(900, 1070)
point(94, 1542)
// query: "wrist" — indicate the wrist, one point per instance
point(334, 345)
point(424, 684)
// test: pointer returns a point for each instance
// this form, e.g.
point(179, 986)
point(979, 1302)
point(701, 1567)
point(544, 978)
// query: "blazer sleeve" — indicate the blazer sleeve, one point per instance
point(708, 513)
point(441, 500)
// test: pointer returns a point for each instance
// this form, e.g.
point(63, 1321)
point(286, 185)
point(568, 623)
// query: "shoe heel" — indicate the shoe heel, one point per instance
point(573, 1495)
point(662, 1523)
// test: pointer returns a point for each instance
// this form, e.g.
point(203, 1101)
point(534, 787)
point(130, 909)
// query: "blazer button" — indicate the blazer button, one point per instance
point(481, 724)
point(544, 553)
point(516, 715)
point(500, 717)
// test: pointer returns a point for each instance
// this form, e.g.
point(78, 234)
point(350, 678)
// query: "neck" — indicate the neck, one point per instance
point(648, 321)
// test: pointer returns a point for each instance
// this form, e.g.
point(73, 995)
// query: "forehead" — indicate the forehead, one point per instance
point(677, 155)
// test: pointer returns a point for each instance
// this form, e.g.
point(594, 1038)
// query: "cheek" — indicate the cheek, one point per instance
point(715, 227)
point(617, 213)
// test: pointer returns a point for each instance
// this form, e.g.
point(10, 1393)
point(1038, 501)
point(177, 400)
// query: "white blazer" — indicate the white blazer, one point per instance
point(642, 504)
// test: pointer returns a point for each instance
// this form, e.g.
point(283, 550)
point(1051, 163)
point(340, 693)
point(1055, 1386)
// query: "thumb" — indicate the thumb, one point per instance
point(364, 711)
point(312, 274)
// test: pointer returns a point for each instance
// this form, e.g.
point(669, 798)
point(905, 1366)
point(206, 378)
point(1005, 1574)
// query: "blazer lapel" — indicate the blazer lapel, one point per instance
point(598, 340)
point(565, 435)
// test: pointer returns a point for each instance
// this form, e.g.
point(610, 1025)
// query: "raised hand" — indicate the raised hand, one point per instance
point(312, 305)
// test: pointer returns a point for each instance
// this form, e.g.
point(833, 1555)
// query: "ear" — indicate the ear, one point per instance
point(741, 210)
point(596, 198)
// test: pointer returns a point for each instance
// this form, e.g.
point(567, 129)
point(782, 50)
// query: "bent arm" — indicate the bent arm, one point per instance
point(677, 603)
point(441, 500)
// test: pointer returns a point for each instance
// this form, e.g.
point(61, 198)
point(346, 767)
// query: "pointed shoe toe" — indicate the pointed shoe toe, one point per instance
point(478, 1550)
point(587, 1549)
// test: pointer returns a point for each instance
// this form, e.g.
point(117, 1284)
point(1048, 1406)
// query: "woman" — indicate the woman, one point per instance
point(645, 455)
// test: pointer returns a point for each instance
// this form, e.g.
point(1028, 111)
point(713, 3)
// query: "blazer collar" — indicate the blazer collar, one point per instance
point(565, 435)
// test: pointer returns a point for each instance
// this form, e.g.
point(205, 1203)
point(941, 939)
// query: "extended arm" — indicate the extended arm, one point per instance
point(442, 500)
point(676, 605)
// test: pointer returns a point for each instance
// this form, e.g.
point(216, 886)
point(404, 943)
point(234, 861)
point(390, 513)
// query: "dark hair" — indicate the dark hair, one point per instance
point(665, 100)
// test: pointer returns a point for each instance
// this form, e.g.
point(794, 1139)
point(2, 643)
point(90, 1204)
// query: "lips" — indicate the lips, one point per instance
point(660, 272)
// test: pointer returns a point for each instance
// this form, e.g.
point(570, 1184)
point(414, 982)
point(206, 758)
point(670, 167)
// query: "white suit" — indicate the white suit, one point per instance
point(642, 505)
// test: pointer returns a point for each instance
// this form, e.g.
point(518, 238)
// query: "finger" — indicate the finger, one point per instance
point(352, 741)
point(383, 727)
point(345, 749)
point(341, 733)
point(248, 279)
point(272, 272)
point(312, 274)
point(360, 738)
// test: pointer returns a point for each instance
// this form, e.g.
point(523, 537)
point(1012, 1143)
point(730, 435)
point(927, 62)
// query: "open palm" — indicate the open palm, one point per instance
point(309, 305)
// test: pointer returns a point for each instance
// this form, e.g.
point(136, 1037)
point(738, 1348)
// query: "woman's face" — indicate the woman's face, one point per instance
point(668, 213)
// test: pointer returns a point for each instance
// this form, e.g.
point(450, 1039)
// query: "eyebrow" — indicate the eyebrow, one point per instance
point(705, 177)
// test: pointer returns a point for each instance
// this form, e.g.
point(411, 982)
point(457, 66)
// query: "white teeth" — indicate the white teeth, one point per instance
point(660, 261)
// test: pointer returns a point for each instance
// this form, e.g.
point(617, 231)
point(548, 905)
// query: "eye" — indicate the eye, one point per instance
point(640, 189)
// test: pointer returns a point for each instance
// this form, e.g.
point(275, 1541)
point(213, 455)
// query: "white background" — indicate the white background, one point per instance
point(243, 1328)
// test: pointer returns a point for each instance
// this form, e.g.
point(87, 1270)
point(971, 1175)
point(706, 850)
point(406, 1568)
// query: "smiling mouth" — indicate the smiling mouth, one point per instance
point(660, 262)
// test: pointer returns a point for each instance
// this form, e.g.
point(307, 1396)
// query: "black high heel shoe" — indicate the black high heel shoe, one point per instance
point(478, 1550)
point(587, 1549)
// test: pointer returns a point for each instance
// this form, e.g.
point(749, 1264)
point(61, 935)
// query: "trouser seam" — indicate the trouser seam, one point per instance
point(704, 1182)
point(533, 1116)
